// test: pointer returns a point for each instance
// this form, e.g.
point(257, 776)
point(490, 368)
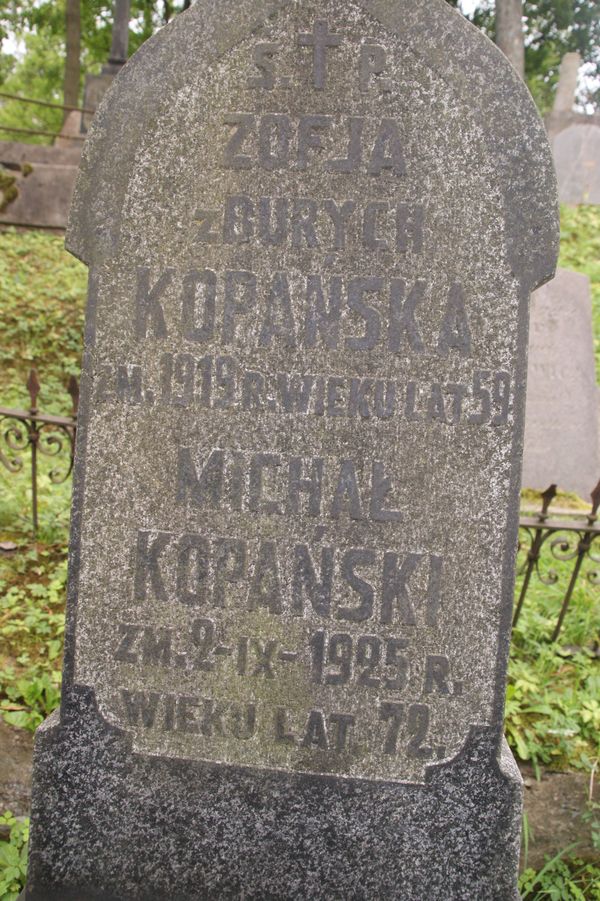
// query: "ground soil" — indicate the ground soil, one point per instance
point(553, 805)
point(16, 749)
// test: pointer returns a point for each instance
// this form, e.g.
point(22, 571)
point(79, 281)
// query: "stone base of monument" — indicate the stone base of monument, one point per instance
point(208, 831)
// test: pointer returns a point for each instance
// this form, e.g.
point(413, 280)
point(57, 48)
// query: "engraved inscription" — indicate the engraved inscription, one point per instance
point(277, 141)
point(308, 390)
point(325, 224)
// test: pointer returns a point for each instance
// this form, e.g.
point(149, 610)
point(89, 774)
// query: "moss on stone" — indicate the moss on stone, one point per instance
point(8, 190)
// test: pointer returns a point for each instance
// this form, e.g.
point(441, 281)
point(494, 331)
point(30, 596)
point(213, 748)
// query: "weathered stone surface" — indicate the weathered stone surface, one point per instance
point(577, 160)
point(561, 421)
point(44, 178)
point(15, 152)
point(44, 197)
point(312, 231)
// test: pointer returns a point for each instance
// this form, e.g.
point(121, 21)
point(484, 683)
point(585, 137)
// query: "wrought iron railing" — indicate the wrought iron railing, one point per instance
point(40, 434)
point(569, 538)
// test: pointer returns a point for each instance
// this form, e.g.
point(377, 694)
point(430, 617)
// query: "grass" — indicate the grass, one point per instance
point(553, 696)
point(562, 878)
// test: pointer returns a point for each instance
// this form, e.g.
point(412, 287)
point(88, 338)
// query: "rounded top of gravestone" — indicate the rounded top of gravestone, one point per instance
point(168, 87)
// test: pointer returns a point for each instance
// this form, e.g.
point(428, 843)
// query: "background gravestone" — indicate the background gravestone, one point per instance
point(44, 178)
point(312, 231)
point(561, 422)
point(577, 160)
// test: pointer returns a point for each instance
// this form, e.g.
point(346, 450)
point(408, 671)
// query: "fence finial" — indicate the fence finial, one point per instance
point(73, 390)
point(33, 386)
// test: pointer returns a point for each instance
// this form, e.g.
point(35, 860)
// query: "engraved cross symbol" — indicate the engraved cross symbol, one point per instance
point(321, 40)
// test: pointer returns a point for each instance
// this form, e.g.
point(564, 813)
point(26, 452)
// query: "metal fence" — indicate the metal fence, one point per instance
point(569, 539)
point(566, 538)
point(36, 433)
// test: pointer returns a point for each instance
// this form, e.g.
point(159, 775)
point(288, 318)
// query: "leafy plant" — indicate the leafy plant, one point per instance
point(43, 294)
point(592, 817)
point(562, 879)
point(32, 598)
point(552, 709)
point(13, 857)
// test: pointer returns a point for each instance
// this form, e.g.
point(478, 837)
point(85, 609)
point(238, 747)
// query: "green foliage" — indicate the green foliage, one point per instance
point(38, 75)
point(552, 711)
point(551, 29)
point(39, 71)
point(8, 189)
point(13, 856)
point(592, 817)
point(42, 289)
point(53, 504)
point(32, 622)
point(552, 702)
point(562, 879)
point(556, 27)
point(580, 250)
point(43, 293)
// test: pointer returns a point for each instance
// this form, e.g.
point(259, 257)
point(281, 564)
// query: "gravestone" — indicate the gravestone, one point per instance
point(37, 183)
point(561, 421)
point(312, 231)
point(577, 160)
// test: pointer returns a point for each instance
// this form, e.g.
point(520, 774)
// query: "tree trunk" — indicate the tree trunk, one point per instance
point(509, 32)
point(72, 61)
